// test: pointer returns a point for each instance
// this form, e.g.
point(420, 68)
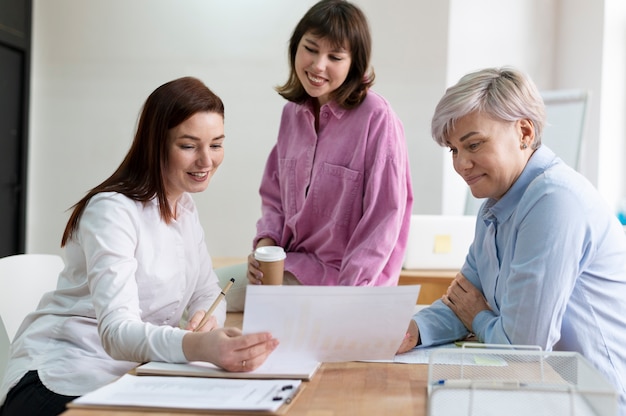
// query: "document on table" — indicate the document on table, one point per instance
point(331, 323)
point(421, 355)
point(191, 393)
point(303, 370)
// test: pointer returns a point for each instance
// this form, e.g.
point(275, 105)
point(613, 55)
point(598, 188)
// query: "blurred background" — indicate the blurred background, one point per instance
point(94, 62)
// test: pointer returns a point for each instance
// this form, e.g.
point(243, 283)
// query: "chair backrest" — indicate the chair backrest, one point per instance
point(4, 349)
point(24, 278)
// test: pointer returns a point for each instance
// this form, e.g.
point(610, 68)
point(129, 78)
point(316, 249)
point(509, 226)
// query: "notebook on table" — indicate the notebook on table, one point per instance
point(439, 242)
point(273, 368)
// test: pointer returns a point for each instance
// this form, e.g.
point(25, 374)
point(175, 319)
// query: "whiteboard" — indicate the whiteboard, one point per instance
point(565, 121)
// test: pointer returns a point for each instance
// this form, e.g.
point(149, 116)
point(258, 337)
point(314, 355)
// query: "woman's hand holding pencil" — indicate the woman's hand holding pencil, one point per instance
point(208, 321)
point(227, 348)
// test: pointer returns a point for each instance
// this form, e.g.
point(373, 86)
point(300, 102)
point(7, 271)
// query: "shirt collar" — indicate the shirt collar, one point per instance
point(500, 210)
point(332, 106)
point(185, 202)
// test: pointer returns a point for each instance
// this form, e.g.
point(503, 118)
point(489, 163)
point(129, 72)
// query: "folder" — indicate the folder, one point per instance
point(192, 394)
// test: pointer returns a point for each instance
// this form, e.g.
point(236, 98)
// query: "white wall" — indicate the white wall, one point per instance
point(95, 62)
point(409, 55)
point(545, 39)
point(486, 33)
point(578, 64)
point(612, 103)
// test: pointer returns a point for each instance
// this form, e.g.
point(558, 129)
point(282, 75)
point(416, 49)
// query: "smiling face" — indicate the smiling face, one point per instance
point(488, 153)
point(195, 152)
point(320, 67)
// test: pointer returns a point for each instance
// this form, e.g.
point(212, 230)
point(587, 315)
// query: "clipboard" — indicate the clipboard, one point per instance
point(192, 395)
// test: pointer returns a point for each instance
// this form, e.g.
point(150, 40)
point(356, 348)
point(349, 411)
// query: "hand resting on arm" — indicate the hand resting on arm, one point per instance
point(464, 300)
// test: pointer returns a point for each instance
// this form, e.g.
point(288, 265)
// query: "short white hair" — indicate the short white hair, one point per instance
point(504, 93)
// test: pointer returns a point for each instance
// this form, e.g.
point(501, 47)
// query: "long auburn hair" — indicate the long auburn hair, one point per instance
point(342, 24)
point(140, 175)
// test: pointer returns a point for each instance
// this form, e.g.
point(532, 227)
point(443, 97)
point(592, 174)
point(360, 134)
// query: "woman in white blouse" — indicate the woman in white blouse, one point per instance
point(136, 260)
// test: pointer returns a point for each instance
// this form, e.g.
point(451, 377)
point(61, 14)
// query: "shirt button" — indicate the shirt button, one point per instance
point(325, 115)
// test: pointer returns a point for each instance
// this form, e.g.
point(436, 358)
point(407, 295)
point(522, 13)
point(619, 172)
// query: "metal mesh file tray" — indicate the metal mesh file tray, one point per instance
point(484, 380)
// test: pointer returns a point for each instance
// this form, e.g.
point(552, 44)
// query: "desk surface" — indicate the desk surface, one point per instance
point(341, 389)
point(351, 388)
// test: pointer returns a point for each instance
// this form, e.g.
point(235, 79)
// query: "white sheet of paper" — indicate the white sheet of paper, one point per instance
point(421, 355)
point(331, 323)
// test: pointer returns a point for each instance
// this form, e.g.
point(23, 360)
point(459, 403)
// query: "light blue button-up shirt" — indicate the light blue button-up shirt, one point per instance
point(550, 259)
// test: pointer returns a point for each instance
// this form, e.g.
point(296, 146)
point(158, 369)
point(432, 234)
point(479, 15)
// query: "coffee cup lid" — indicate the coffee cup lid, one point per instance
point(269, 253)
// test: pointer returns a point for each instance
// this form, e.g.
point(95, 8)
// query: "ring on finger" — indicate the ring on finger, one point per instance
point(243, 364)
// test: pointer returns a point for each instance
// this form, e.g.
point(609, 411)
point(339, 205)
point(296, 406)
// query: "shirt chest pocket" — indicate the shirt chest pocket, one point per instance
point(337, 194)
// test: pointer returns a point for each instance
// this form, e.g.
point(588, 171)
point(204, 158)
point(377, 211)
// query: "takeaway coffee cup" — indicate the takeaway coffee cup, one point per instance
point(272, 263)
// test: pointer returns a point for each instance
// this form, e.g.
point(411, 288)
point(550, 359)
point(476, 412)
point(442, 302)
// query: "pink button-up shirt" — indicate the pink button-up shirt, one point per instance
point(339, 200)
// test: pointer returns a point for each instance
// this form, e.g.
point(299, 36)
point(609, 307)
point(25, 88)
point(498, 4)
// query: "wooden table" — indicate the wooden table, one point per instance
point(351, 388)
point(434, 283)
point(348, 388)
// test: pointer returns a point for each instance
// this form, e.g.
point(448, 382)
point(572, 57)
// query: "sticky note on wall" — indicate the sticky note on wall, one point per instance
point(443, 244)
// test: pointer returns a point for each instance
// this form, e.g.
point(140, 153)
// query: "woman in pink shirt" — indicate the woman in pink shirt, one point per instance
point(336, 192)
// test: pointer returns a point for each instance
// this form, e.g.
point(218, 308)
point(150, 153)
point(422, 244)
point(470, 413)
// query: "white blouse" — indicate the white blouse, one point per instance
point(128, 279)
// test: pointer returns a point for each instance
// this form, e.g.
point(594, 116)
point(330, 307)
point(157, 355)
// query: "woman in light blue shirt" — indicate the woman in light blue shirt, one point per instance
point(548, 263)
point(136, 260)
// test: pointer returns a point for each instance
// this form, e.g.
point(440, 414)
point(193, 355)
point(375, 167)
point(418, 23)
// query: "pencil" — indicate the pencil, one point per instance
point(217, 301)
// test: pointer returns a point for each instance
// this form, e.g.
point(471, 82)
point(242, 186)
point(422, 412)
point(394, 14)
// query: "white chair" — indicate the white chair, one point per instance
point(24, 278)
point(4, 349)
